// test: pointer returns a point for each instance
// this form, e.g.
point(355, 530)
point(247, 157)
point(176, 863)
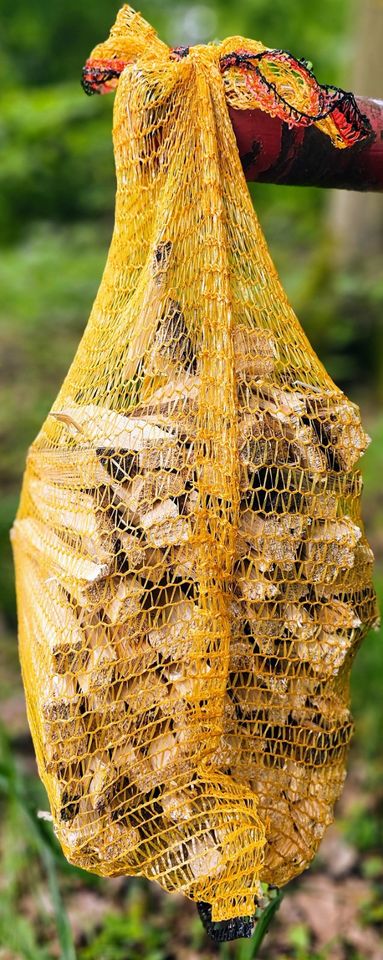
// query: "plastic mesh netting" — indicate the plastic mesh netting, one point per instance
point(192, 575)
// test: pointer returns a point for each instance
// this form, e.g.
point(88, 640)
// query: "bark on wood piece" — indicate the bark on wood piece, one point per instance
point(98, 781)
point(191, 503)
point(310, 818)
point(266, 623)
point(161, 260)
point(133, 548)
point(329, 549)
point(287, 405)
point(164, 526)
point(77, 837)
point(60, 700)
point(328, 705)
point(327, 654)
point(144, 693)
point(277, 437)
point(113, 727)
point(338, 422)
point(167, 456)
point(252, 583)
point(321, 506)
point(67, 791)
point(274, 540)
point(301, 156)
point(119, 466)
point(148, 488)
point(279, 699)
point(166, 484)
point(130, 765)
point(89, 599)
point(337, 615)
point(125, 600)
point(177, 397)
point(254, 352)
point(71, 745)
point(172, 630)
point(300, 622)
point(285, 847)
point(241, 655)
point(95, 843)
point(101, 661)
point(176, 802)
point(311, 456)
point(263, 443)
point(183, 561)
point(245, 694)
point(236, 614)
point(106, 717)
point(59, 732)
point(292, 587)
point(118, 845)
point(351, 582)
point(171, 341)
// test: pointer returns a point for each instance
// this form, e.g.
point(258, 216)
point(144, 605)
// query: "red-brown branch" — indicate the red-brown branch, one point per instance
point(271, 152)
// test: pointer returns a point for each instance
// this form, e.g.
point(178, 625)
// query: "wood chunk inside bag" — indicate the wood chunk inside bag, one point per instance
point(110, 429)
point(324, 638)
point(254, 352)
point(60, 467)
point(37, 538)
point(337, 423)
point(176, 398)
point(168, 754)
point(59, 698)
point(77, 512)
point(251, 579)
point(172, 339)
point(274, 539)
point(163, 524)
point(100, 665)
point(55, 623)
point(330, 548)
point(173, 625)
point(124, 599)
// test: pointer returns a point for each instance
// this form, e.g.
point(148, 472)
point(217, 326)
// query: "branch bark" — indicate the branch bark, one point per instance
point(271, 152)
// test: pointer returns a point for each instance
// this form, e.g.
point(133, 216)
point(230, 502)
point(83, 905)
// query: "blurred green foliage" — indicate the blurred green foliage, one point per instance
point(56, 215)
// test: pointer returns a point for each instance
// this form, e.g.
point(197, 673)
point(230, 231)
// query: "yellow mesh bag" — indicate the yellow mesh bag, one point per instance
point(193, 579)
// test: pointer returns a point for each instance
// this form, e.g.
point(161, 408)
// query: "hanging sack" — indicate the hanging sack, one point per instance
point(193, 579)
